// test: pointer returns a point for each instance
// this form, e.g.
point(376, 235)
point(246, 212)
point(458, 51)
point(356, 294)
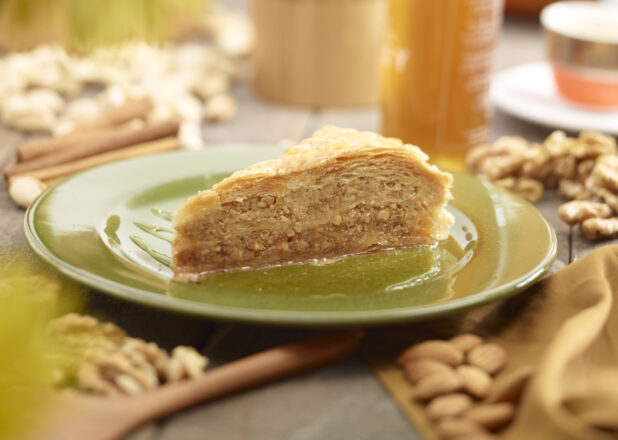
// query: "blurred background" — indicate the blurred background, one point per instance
point(421, 69)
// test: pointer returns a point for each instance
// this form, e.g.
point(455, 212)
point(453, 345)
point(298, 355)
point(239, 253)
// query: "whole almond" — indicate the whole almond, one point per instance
point(437, 385)
point(442, 351)
point(489, 357)
point(418, 369)
point(448, 405)
point(456, 427)
point(492, 416)
point(477, 382)
point(466, 341)
point(511, 385)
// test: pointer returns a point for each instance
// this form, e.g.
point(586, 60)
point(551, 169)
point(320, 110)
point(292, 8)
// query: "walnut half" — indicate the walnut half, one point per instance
point(597, 228)
point(528, 189)
point(577, 211)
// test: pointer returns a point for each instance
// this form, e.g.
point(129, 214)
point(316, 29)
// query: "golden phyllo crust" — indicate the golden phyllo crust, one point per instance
point(341, 192)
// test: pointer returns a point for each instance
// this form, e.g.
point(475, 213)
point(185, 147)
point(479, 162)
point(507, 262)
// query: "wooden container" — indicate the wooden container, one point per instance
point(318, 52)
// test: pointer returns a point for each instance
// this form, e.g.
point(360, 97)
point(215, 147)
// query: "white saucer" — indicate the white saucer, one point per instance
point(528, 92)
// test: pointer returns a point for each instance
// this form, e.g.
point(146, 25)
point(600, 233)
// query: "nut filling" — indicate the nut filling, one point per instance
point(339, 206)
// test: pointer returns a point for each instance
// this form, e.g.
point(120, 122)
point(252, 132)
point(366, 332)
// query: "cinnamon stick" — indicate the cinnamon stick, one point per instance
point(58, 172)
point(99, 144)
point(40, 147)
point(110, 121)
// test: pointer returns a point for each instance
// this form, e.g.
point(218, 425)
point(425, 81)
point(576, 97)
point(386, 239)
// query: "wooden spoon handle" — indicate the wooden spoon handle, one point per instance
point(263, 367)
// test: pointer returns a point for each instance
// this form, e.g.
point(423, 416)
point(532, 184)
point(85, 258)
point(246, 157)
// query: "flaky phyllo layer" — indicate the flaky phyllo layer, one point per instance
point(341, 192)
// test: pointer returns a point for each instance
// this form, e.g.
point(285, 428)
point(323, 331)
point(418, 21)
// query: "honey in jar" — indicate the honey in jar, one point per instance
point(434, 74)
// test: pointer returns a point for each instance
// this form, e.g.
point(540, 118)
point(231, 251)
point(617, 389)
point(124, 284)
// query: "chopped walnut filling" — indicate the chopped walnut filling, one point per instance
point(358, 212)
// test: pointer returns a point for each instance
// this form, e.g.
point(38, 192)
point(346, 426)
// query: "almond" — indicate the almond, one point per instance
point(438, 384)
point(476, 381)
point(466, 341)
point(439, 350)
point(511, 385)
point(418, 369)
point(449, 405)
point(492, 416)
point(456, 427)
point(489, 357)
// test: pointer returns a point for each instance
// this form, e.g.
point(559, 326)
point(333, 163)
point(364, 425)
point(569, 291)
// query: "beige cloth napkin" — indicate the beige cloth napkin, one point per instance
point(567, 326)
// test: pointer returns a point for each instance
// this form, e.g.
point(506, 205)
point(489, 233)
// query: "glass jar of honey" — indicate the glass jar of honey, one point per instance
point(434, 74)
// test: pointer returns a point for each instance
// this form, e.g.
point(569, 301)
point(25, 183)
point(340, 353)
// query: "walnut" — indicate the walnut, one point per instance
point(597, 228)
point(510, 144)
point(535, 164)
point(558, 144)
point(579, 210)
point(128, 374)
point(573, 190)
point(528, 189)
point(89, 378)
point(498, 167)
point(584, 169)
point(608, 197)
point(151, 352)
point(564, 167)
point(185, 363)
point(606, 172)
point(477, 155)
point(128, 385)
point(591, 144)
point(506, 146)
point(591, 184)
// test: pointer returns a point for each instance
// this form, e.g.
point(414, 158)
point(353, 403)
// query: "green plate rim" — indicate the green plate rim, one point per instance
point(284, 317)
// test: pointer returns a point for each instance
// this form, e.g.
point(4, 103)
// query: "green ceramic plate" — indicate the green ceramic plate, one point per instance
point(110, 228)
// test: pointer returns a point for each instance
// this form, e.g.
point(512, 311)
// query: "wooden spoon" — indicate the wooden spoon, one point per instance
point(78, 417)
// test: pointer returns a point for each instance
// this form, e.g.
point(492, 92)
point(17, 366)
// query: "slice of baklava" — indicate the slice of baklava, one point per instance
point(339, 193)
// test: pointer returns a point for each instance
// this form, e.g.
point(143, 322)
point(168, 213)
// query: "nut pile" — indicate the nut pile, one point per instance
point(584, 169)
point(100, 358)
point(456, 380)
point(43, 90)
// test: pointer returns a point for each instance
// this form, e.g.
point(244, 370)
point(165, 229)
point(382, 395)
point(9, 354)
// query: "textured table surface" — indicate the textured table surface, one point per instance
point(338, 402)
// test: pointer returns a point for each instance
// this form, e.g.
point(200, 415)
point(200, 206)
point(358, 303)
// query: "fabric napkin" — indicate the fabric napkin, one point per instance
point(566, 326)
